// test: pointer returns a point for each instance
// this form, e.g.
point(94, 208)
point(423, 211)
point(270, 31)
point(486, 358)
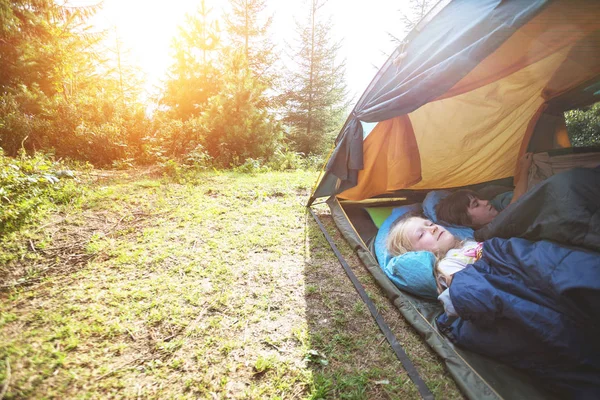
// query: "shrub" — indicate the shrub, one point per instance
point(198, 158)
point(174, 138)
point(237, 122)
point(282, 160)
point(584, 126)
point(86, 127)
point(171, 169)
point(314, 162)
point(27, 183)
point(19, 124)
point(251, 166)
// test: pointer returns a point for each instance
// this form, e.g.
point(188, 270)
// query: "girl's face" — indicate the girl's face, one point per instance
point(424, 235)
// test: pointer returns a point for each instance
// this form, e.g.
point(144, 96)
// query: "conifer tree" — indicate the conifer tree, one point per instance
point(237, 125)
point(417, 11)
point(248, 29)
point(316, 96)
point(39, 40)
point(193, 77)
point(56, 91)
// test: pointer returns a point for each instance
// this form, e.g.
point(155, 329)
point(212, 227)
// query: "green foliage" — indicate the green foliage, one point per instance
point(26, 183)
point(198, 158)
point(39, 45)
point(248, 30)
point(174, 138)
point(321, 387)
point(583, 126)
point(315, 162)
point(263, 364)
point(19, 119)
point(89, 128)
point(238, 126)
point(251, 166)
point(172, 169)
point(315, 98)
point(61, 93)
point(216, 110)
point(194, 76)
point(57, 93)
point(283, 160)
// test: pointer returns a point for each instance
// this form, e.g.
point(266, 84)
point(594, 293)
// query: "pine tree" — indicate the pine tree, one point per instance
point(56, 91)
point(237, 124)
point(119, 70)
point(194, 76)
point(248, 30)
point(316, 96)
point(39, 42)
point(418, 10)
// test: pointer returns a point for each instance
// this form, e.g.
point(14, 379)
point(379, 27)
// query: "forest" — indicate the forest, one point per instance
point(68, 95)
point(67, 89)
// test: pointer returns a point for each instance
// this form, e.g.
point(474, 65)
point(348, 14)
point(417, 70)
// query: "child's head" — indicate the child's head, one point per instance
point(465, 208)
point(414, 233)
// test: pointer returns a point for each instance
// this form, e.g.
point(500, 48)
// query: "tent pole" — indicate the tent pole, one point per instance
point(385, 329)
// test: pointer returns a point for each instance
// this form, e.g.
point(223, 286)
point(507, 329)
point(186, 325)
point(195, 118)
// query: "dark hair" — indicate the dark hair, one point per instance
point(454, 208)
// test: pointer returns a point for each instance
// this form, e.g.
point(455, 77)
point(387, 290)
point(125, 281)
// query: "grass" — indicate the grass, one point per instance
point(217, 287)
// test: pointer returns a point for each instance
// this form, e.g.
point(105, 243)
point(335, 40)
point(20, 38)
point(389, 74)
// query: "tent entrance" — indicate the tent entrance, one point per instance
point(478, 377)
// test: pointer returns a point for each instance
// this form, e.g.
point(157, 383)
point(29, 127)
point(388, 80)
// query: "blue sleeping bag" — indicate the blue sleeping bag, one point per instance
point(534, 306)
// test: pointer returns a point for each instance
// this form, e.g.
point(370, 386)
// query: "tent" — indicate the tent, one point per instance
point(474, 86)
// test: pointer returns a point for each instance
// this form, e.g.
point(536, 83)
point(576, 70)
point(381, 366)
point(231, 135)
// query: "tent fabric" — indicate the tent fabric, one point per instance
point(546, 33)
point(551, 51)
point(454, 42)
point(447, 148)
point(478, 377)
point(483, 144)
point(550, 132)
point(395, 139)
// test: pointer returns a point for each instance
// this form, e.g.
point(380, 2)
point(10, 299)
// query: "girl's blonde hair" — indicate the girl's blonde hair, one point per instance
point(398, 243)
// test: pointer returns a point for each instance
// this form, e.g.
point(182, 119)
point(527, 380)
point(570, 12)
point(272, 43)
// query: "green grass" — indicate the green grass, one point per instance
point(219, 287)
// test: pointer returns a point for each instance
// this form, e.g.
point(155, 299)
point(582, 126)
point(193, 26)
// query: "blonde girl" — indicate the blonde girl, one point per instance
point(415, 233)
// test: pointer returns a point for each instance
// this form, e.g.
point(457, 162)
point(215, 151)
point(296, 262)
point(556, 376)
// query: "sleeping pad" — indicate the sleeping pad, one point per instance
point(564, 208)
point(536, 307)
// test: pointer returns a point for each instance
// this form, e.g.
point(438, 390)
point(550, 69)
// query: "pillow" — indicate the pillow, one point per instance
point(379, 214)
point(413, 271)
point(431, 200)
point(429, 203)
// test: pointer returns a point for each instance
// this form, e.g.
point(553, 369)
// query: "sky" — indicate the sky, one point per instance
point(147, 27)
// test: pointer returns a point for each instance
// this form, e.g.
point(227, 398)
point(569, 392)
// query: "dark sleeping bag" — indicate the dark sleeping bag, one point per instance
point(536, 307)
point(564, 208)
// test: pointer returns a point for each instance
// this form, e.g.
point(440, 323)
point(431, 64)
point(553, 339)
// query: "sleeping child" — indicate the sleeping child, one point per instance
point(532, 305)
point(565, 208)
point(467, 208)
point(413, 233)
